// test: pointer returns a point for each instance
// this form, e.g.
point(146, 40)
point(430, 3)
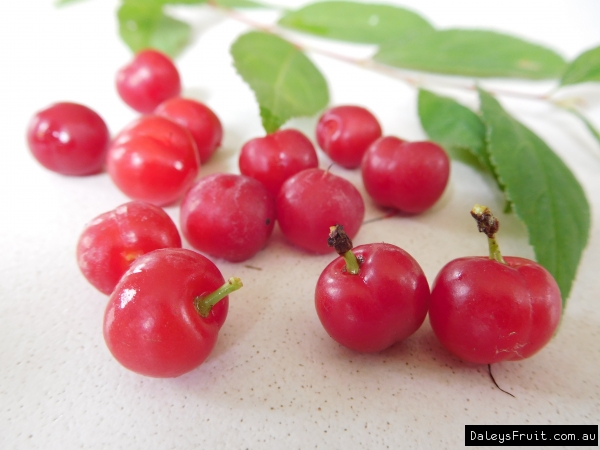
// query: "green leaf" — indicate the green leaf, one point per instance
point(356, 22)
point(160, 3)
point(544, 192)
point(586, 67)
point(65, 2)
point(239, 4)
point(180, 2)
point(142, 24)
point(455, 127)
point(474, 53)
point(286, 83)
point(589, 125)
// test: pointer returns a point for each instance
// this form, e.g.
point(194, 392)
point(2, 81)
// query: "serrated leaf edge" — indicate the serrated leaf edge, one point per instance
point(515, 208)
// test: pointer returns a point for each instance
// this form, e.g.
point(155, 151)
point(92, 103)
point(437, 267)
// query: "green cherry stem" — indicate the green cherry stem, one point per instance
point(343, 246)
point(204, 303)
point(495, 251)
point(488, 224)
point(352, 265)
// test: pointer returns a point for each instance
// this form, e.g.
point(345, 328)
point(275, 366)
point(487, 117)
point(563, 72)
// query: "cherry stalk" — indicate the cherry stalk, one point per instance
point(205, 303)
point(341, 242)
point(488, 224)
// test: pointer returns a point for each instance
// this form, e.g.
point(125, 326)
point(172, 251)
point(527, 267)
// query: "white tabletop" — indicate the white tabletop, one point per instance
point(275, 378)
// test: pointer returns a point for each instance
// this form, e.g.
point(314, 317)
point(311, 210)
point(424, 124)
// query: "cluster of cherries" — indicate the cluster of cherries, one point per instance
point(167, 303)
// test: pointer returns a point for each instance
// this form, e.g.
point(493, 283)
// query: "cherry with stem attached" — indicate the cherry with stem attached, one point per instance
point(163, 318)
point(372, 296)
point(490, 309)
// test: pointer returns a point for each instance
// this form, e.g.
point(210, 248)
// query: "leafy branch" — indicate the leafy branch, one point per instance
point(366, 63)
point(537, 185)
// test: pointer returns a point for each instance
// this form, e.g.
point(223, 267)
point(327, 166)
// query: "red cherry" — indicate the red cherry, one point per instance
point(69, 139)
point(113, 240)
point(311, 202)
point(276, 157)
point(153, 159)
point(148, 80)
point(383, 303)
point(163, 318)
point(228, 216)
point(487, 310)
point(408, 176)
point(202, 123)
point(345, 133)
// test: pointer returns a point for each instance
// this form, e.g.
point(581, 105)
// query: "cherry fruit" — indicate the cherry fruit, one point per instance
point(487, 310)
point(311, 202)
point(113, 240)
point(153, 159)
point(276, 157)
point(148, 80)
point(228, 216)
point(202, 123)
point(345, 133)
point(68, 138)
point(408, 176)
point(371, 296)
point(163, 318)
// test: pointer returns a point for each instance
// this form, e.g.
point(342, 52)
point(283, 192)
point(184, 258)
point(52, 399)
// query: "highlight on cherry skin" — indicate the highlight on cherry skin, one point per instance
point(164, 316)
point(228, 216)
point(201, 121)
point(371, 296)
point(313, 200)
point(153, 159)
point(407, 176)
point(68, 138)
point(486, 310)
point(148, 80)
point(345, 132)
point(112, 241)
point(274, 158)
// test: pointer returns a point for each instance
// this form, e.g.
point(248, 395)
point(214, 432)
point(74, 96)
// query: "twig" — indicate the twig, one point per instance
point(369, 63)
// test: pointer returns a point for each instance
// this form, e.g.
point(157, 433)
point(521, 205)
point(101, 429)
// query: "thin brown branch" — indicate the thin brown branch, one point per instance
point(369, 63)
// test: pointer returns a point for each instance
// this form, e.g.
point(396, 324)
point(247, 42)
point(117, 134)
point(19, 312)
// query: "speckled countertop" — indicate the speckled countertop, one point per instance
point(275, 379)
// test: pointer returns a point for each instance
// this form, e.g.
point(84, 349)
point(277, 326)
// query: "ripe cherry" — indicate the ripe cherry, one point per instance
point(202, 123)
point(228, 216)
point(276, 157)
point(153, 159)
point(69, 139)
point(408, 176)
point(163, 318)
point(487, 310)
point(148, 80)
point(371, 296)
point(345, 133)
point(311, 202)
point(113, 240)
